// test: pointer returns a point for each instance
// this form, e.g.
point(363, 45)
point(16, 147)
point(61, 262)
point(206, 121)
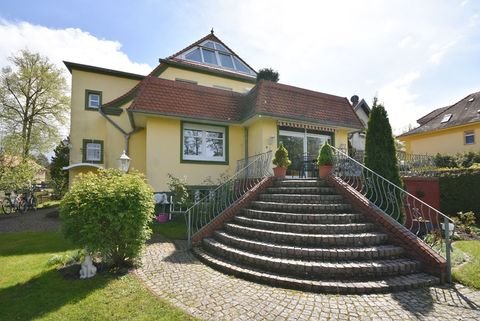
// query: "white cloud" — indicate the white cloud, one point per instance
point(70, 44)
point(440, 51)
point(400, 101)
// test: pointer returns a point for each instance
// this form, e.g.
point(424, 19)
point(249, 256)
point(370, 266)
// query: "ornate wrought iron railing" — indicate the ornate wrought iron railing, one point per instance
point(206, 209)
point(408, 164)
point(430, 225)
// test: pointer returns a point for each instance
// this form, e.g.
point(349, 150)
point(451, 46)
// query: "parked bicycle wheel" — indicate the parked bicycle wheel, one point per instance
point(22, 205)
point(7, 206)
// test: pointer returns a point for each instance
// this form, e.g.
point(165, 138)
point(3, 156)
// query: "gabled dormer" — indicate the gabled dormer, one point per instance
point(212, 58)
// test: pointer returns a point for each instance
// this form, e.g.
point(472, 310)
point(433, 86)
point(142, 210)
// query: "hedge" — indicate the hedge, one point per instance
point(460, 192)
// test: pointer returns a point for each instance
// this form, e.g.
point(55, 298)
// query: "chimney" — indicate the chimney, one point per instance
point(354, 100)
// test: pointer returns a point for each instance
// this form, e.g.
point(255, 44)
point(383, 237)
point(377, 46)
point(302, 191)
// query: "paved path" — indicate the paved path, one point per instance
point(175, 275)
point(39, 220)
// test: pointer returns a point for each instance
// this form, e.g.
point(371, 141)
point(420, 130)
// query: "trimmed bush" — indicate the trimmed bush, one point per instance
point(325, 155)
point(281, 157)
point(460, 191)
point(108, 214)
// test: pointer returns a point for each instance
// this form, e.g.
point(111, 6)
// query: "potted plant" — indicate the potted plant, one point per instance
point(325, 161)
point(282, 161)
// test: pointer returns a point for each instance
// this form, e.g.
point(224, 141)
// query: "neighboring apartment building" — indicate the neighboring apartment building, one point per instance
point(447, 130)
point(361, 108)
point(197, 113)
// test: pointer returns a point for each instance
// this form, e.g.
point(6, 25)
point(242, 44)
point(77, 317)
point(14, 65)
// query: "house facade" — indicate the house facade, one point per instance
point(195, 115)
point(447, 130)
point(361, 108)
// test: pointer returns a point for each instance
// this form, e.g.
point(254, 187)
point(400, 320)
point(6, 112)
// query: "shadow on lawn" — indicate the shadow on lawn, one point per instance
point(45, 293)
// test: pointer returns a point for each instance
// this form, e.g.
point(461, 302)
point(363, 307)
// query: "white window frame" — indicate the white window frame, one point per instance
point(93, 148)
point(204, 129)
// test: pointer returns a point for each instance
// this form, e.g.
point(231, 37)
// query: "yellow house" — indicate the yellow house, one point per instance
point(195, 115)
point(447, 130)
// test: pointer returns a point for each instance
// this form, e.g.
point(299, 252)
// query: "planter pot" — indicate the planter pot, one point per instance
point(162, 218)
point(280, 171)
point(324, 170)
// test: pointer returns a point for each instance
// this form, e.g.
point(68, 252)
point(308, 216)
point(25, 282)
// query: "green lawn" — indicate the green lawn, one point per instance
point(176, 229)
point(468, 273)
point(31, 290)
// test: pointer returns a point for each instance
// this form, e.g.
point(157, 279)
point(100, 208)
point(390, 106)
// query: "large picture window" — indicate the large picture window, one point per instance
point(204, 143)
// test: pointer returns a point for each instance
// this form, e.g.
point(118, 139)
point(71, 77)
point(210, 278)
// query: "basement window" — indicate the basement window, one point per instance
point(446, 118)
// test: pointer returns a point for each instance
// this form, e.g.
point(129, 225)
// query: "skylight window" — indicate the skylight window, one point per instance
point(216, 54)
point(446, 118)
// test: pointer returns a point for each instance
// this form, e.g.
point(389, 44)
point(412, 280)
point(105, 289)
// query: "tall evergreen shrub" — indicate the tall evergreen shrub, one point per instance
point(380, 157)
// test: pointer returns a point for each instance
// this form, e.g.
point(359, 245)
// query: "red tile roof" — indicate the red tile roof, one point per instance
point(269, 98)
point(172, 98)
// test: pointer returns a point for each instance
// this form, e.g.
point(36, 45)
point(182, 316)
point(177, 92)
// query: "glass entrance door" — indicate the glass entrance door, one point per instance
point(303, 147)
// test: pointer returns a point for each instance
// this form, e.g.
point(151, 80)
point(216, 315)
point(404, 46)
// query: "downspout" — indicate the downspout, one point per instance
point(246, 142)
point(126, 135)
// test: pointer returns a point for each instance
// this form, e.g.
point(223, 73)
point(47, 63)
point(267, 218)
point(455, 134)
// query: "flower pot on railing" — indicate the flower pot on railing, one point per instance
point(282, 161)
point(325, 161)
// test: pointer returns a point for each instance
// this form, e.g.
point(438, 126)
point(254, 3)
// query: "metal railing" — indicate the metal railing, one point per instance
point(417, 216)
point(208, 208)
point(408, 164)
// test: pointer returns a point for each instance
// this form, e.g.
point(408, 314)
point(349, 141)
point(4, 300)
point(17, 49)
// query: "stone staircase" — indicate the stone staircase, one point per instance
point(300, 234)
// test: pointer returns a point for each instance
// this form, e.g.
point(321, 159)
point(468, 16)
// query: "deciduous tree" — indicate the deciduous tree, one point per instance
point(33, 101)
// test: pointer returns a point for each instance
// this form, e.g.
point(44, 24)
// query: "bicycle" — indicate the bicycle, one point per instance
point(14, 202)
point(31, 199)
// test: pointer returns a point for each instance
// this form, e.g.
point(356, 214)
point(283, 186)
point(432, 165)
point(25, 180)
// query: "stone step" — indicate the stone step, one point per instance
point(305, 228)
point(310, 253)
point(339, 218)
point(300, 190)
point(351, 270)
point(301, 198)
point(300, 183)
point(301, 208)
point(298, 239)
point(381, 285)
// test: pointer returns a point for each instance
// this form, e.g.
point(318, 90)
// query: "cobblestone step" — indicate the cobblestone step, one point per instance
point(309, 253)
point(300, 183)
point(305, 228)
point(339, 218)
point(381, 285)
point(301, 208)
point(352, 270)
point(298, 239)
point(300, 190)
point(302, 198)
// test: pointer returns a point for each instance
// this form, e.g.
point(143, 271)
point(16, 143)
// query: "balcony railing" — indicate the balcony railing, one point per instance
point(249, 173)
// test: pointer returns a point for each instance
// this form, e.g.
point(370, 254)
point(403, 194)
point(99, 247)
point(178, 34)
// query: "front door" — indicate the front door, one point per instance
point(303, 148)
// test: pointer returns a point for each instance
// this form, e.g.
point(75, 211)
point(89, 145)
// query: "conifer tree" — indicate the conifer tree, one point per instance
point(381, 157)
point(380, 153)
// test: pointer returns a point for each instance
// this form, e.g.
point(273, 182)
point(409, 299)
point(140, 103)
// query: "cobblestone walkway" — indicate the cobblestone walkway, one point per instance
point(175, 275)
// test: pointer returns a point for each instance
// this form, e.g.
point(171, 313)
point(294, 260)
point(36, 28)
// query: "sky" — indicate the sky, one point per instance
point(415, 56)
